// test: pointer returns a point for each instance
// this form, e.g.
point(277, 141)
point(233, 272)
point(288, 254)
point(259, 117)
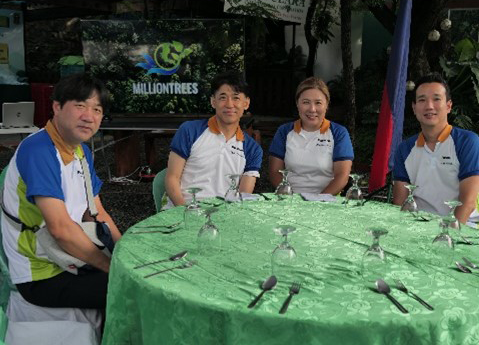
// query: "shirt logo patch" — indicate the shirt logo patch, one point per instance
point(235, 150)
point(446, 160)
point(323, 142)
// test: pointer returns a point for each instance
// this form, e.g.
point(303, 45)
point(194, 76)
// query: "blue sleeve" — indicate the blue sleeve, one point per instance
point(39, 167)
point(95, 180)
point(253, 154)
point(343, 148)
point(402, 152)
point(467, 151)
point(278, 144)
point(186, 135)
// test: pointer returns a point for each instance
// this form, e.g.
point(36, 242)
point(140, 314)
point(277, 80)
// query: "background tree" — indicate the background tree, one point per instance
point(348, 69)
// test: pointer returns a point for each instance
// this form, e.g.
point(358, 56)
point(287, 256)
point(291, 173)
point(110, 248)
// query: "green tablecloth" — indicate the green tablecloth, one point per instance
point(207, 303)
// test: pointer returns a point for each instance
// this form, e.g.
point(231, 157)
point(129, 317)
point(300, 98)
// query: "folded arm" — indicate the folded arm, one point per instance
point(176, 165)
point(341, 170)
point(103, 216)
point(400, 192)
point(275, 165)
point(69, 235)
point(468, 192)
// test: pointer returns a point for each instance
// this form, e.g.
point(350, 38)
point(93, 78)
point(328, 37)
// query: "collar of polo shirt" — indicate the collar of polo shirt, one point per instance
point(421, 141)
point(324, 126)
point(213, 127)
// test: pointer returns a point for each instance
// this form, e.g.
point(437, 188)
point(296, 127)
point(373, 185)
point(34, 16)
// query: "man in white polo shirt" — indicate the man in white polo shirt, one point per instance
point(203, 152)
point(443, 161)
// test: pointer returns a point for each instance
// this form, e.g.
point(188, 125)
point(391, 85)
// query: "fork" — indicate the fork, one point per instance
point(400, 286)
point(179, 267)
point(293, 290)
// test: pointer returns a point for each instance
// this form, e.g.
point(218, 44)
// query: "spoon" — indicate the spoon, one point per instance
point(268, 284)
point(175, 257)
point(384, 288)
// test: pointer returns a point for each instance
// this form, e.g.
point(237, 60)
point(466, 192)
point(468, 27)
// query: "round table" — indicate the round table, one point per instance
point(207, 303)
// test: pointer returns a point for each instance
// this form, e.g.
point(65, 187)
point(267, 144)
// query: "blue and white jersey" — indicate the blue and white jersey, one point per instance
point(210, 157)
point(37, 169)
point(437, 173)
point(309, 156)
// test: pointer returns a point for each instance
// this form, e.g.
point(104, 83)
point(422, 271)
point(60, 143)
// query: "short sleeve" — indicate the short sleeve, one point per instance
point(402, 152)
point(186, 136)
point(343, 148)
point(39, 168)
point(253, 154)
point(278, 144)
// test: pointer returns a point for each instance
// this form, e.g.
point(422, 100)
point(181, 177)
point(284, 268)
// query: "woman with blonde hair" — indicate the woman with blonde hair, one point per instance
point(317, 152)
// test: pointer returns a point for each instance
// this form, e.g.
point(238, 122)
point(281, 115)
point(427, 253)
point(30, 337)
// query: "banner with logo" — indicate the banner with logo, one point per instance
point(162, 66)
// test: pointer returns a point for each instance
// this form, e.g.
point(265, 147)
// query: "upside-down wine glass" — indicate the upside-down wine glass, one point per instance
point(409, 205)
point(233, 194)
point(443, 246)
point(284, 189)
point(354, 193)
point(193, 211)
point(209, 238)
point(283, 257)
point(374, 263)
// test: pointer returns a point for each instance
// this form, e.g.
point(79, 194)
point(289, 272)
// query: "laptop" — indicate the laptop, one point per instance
point(18, 115)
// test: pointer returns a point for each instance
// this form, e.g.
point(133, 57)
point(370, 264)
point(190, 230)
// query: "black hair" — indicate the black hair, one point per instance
point(80, 87)
point(231, 78)
point(432, 78)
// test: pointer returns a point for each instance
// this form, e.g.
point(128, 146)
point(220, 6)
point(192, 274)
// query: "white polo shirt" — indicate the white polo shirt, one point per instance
point(437, 173)
point(309, 156)
point(210, 157)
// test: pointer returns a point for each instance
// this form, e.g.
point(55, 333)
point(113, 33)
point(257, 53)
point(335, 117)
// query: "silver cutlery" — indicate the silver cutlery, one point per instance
point(400, 286)
point(293, 290)
point(157, 231)
point(462, 268)
point(267, 285)
point(179, 267)
point(169, 226)
point(175, 257)
point(469, 263)
point(384, 288)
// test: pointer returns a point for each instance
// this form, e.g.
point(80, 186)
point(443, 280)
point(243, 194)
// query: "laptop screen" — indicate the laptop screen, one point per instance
point(18, 114)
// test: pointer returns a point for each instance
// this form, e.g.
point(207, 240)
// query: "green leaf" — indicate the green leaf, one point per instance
point(465, 49)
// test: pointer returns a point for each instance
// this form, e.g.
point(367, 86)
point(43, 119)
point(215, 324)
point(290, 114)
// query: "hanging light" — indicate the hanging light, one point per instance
point(410, 85)
point(446, 24)
point(388, 50)
point(434, 35)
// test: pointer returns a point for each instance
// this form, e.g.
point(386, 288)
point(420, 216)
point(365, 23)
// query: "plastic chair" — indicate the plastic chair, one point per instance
point(159, 189)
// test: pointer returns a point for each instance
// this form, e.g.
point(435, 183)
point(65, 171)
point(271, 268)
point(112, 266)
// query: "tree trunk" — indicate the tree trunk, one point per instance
point(348, 70)
point(312, 41)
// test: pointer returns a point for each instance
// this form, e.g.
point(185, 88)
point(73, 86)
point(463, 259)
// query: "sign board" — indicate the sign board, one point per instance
point(3, 53)
point(162, 66)
point(288, 10)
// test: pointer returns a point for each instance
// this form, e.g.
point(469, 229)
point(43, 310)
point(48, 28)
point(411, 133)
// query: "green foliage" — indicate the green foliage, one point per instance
point(253, 8)
point(325, 17)
point(462, 73)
